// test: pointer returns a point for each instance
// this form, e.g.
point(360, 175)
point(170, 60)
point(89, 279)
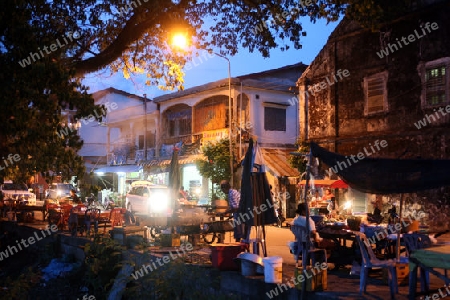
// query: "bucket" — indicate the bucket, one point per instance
point(273, 269)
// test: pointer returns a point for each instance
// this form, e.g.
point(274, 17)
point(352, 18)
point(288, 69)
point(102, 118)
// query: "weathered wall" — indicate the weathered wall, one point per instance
point(335, 116)
point(336, 113)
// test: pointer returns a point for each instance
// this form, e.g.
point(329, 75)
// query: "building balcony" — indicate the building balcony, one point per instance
point(185, 139)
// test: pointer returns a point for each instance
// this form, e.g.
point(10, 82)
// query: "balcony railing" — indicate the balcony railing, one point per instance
point(116, 159)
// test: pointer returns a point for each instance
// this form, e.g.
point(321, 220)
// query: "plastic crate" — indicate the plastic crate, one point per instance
point(170, 240)
point(222, 256)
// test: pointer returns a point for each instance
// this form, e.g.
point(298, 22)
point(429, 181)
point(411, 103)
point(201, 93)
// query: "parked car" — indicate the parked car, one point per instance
point(57, 191)
point(18, 192)
point(147, 198)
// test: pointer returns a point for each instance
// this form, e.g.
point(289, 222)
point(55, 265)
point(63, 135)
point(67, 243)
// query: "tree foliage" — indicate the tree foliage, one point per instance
point(299, 162)
point(65, 39)
point(217, 166)
point(131, 36)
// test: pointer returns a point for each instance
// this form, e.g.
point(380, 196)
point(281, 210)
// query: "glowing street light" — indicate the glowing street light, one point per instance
point(180, 40)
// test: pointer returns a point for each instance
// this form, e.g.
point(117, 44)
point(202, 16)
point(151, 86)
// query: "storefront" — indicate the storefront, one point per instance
point(122, 176)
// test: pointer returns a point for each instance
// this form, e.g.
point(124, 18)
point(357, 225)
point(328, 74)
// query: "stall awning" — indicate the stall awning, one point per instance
point(319, 182)
point(387, 175)
point(119, 168)
point(276, 161)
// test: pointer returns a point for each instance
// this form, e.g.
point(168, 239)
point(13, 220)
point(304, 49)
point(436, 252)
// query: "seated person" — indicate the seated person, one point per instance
point(300, 220)
point(375, 217)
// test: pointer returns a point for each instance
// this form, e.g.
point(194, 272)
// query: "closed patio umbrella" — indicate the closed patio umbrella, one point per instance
point(174, 178)
point(255, 192)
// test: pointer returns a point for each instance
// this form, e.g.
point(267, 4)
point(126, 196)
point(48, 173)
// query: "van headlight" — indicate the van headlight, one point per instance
point(159, 202)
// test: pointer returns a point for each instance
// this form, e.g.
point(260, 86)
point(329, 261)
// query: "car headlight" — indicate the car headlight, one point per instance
point(159, 202)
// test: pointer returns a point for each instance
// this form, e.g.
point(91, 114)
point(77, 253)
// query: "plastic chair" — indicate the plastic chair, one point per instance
point(73, 220)
point(65, 213)
point(91, 216)
point(73, 224)
point(53, 214)
point(301, 237)
point(416, 241)
point(369, 260)
point(116, 217)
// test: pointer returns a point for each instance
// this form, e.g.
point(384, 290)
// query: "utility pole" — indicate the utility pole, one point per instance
point(145, 127)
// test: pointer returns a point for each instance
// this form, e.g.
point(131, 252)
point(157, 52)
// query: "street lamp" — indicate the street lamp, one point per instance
point(180, 41)
point(145, 127)
point(229, 115)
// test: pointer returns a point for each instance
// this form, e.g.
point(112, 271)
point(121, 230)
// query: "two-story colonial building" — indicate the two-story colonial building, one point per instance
point(138, 136)
point(262, 107)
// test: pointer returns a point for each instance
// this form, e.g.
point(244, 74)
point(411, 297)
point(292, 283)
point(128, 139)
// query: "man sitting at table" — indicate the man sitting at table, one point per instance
point(376, 216)
point(300, 220)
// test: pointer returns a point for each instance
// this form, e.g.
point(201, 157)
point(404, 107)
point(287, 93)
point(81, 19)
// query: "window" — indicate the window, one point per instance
point(435, 82)
point(172, 127)
point(179, 122)
point(141, 142)
point(274, 119)
point(150, 140)
point(375, 93)
point(185, 126)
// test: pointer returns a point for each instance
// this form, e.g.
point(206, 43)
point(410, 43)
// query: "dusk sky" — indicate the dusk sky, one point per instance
point(216, 68)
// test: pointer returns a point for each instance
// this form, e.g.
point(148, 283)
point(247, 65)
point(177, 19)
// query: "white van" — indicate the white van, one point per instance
point(147, 198)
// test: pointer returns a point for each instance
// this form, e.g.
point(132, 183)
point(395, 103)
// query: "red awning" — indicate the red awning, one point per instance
point(339, 184)
point(334, 184)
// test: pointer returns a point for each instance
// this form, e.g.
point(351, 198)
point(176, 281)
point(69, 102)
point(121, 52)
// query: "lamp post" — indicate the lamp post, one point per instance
point(145, 127)
point(230, 120)
point(180, 41)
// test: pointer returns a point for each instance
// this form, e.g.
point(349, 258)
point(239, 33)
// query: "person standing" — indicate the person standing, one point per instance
point(234, 197)
point(183, 194)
